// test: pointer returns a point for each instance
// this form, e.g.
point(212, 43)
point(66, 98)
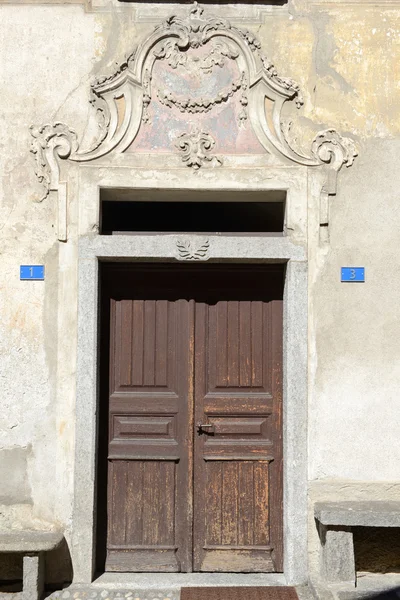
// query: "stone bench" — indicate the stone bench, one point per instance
point(33, 545)
point(335, 520)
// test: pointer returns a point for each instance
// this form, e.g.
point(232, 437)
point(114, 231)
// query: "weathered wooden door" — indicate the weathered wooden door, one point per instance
point(195, 434)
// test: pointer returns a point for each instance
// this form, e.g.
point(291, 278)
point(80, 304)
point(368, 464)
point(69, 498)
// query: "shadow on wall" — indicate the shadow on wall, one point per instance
point(393, 594)
point(377, 549)
point(59, 567)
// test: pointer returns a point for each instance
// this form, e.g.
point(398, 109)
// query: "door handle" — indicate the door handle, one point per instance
point(205, 428)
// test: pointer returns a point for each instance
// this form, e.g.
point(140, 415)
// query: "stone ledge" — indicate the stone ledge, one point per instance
point(29, 541)
point(353, 514)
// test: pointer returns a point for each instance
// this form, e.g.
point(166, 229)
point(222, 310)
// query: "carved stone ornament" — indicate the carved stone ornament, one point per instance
point(199, 44)
point(191, 105)
point(190, 250)
point(196, 149)
point(50, 141)
point(334, 150)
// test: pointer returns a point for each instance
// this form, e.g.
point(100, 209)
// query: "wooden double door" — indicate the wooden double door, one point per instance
point(194, 449)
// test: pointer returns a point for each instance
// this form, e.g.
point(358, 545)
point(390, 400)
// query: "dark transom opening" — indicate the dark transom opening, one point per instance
point(180, 211)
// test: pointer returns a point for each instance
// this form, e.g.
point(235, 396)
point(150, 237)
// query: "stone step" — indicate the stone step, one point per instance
point(93, 593)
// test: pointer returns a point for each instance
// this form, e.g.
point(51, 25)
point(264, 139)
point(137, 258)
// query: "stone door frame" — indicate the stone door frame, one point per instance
point(290, 249)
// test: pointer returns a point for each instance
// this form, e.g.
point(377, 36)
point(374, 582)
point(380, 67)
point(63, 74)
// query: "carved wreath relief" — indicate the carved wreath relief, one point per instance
point(196, 89)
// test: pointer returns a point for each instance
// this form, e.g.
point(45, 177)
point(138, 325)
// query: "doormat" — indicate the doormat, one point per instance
point(239, 593)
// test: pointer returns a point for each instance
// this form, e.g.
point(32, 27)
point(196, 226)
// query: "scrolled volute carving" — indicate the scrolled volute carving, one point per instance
point(333, 150)
point(50, 142)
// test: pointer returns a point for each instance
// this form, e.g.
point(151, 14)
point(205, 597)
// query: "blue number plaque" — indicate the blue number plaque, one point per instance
point(33, 272)
point(353, 274)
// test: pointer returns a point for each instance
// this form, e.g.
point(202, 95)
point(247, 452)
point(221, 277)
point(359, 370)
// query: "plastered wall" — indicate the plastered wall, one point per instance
point(345, 56)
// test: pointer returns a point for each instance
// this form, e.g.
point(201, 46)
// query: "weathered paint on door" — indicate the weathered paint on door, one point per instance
point(195, 433)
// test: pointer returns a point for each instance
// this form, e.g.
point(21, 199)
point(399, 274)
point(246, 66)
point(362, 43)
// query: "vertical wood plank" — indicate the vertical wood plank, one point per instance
point(134, 503)
point(149, 352)
point(161, 349)
point(221, 342)
point(229, 502)
point(233, 343)
point(213, 509)
point(246, 504)
point(245, 344)
point(137, 342)
point(261, 509)
point(169, 503)
point(126, 343)
point(256, 344)
point(151, 502)
point(118, 484)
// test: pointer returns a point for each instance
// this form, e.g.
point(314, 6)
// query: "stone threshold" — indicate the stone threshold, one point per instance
point(159, 586)
point(178, 580)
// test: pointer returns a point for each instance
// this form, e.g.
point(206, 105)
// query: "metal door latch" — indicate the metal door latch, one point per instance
point(205, 428)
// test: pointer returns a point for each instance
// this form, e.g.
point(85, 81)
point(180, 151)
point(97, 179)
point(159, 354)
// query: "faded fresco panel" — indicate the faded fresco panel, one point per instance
point(199, 89)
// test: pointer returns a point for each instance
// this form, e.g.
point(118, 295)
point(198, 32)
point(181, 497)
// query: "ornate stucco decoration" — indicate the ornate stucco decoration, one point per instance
point(201, 45)
point(193, 249)
point(196, 148)
point(49, 143)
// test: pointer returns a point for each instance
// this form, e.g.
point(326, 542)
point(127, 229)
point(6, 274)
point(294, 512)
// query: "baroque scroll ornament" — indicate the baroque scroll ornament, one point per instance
point(49, 142)
point(122, 101)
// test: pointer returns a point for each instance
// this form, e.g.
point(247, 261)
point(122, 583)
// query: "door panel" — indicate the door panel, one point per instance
point(149, 498)
point(238, 520)
point(193, 345)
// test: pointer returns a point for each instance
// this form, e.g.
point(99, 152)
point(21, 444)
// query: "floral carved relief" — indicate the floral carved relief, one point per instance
point(196, 149)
